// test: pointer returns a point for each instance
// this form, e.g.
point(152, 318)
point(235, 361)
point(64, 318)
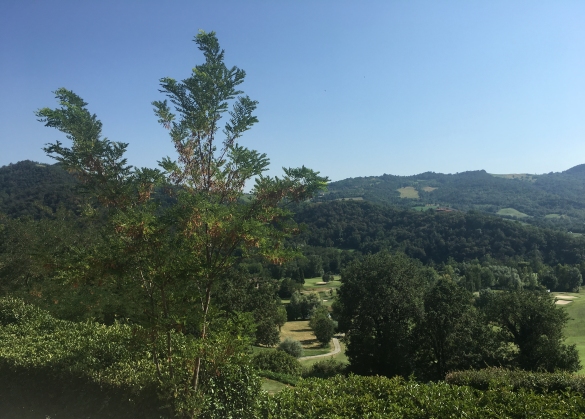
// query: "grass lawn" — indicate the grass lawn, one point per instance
point(408, 192)
point(300, 330)
point(341, 357)
point(575, 330)
point(429, 189)
point(511, 212)
point(313, 284)
point(271, 386)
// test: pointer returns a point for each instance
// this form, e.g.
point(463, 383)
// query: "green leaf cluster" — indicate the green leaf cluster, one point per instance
point(380, 397)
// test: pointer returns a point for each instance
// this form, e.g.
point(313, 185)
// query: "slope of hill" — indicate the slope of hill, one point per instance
point(548, 199)
point(434, 237)
point(32, 189)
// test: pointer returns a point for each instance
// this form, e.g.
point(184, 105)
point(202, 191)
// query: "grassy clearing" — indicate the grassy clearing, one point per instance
point(312, 284)
point(429, 189)
point(575, 330)
point(271, 386)
point(511, 212)
point(408, 192)
point(300, 330)
point(425, 207)
point(554, 216)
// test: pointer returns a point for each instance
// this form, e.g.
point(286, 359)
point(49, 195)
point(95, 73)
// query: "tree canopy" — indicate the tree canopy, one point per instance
point(176, 252)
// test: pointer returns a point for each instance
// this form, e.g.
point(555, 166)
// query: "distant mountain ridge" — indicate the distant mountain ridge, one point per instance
point(556, 200)
point(549, 199)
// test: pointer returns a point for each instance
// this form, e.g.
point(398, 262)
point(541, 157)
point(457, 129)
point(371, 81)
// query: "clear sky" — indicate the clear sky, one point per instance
point(349, 89)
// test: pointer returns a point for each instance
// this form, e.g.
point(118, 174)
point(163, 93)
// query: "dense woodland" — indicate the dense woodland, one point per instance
point(137, 292)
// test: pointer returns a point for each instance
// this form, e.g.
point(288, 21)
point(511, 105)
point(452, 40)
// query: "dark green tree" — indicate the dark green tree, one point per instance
point(379, 303)
point(533, 324)
point(569, 278)
point(452, 335)
point(302, 306)
point(323, 326)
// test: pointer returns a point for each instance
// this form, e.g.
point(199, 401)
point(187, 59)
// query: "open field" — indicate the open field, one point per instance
point(316, 284)
point(554, 216)
point(511, 212)
point(408, 192)
point(425, 207)
point(300, 330)
point(575, 330)
point(429, 189)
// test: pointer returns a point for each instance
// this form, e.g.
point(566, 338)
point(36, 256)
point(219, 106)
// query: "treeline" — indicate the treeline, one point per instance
point(399, 321)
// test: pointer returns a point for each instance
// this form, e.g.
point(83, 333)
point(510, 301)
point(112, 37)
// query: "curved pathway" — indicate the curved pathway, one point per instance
point(335, 351)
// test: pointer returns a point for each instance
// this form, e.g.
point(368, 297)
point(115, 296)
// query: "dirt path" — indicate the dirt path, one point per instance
point(335, 351)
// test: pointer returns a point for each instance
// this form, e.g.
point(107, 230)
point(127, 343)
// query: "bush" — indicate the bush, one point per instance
point(282, 378)
point(278, 362)
point(63, 369)
point(326, 369)
point(291, 347)
point(539, 382)
point(327, 277)
point(381, 397)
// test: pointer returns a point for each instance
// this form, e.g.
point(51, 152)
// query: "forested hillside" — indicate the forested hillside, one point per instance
point(34, 189)
point(434, 237)
point(554, 198)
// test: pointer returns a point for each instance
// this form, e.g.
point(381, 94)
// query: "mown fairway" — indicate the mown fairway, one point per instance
point(575, 330)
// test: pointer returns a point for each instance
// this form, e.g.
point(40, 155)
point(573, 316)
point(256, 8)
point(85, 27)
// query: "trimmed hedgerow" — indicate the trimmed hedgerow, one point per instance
point(283, 378)
point(69, 370)
point(278, 362)
point(381, 397)
point(326, 369)
point(539, 382)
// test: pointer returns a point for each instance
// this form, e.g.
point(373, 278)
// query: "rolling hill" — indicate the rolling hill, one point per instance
point(553, 199)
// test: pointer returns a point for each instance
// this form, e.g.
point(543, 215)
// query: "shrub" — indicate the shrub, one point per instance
point(277, 376)
point(278, 362)
point(327, 277)
point(326, 369)
point(291, 347)
point(381, 397)
point(539, 382)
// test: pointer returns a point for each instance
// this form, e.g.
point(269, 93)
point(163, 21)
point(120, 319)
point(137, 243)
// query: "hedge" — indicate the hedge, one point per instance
point(539, 382)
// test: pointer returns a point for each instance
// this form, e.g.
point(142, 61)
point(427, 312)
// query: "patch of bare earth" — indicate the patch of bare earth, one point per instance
point(563, 302)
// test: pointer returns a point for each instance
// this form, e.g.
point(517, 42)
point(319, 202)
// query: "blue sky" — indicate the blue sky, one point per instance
point(346, 88)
